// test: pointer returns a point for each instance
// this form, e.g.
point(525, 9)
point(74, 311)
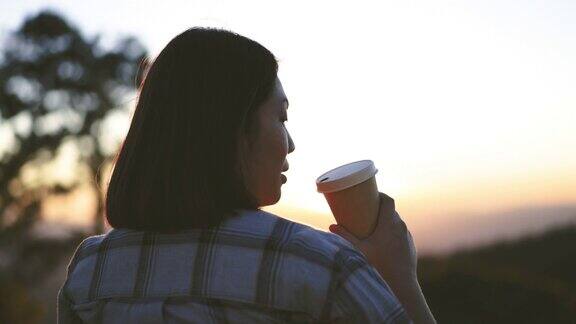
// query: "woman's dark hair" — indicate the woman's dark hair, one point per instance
point(180, 163)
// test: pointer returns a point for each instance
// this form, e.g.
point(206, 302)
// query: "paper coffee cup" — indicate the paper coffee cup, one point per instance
point(352, 194)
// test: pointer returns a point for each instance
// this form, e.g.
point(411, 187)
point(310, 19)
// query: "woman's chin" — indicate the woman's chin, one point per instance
point(271, 200)
point(276, 198)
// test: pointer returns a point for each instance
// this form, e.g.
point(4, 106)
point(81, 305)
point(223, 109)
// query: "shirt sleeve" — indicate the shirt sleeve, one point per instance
point(65, 314)
point(360, 295)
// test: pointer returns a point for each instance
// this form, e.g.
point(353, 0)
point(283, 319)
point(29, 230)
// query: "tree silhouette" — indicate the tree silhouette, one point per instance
point(59, 86)
point(56, 88)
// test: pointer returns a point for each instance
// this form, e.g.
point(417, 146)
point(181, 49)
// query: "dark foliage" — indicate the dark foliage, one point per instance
point(526, 281)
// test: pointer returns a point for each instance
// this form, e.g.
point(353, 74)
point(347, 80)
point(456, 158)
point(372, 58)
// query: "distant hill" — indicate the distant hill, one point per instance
point(529, 280)
point(474, 229)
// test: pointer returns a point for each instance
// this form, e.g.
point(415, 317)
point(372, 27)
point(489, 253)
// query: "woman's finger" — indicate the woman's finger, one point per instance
point(386, 212)
point(337, 229)
point(386, 201)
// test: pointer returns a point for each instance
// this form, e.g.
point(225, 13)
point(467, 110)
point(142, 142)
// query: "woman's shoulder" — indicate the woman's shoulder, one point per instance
point(92, 244)
point(320, 238)
point(292, 241)
point(303, 237)
point(267, 252)
point(289, 230)
point(251, 224)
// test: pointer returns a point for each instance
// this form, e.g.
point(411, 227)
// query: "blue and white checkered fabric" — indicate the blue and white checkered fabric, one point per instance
point(253, 268)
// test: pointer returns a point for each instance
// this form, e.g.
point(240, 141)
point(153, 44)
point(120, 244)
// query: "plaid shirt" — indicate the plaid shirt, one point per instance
point(253, 268)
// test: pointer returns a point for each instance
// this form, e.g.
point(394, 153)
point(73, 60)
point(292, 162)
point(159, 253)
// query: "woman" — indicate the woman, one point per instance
point(190, 244)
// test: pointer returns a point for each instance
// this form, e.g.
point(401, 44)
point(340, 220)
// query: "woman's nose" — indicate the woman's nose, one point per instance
point(291, 146)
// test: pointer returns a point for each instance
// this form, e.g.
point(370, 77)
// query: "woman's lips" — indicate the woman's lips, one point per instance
point(284, 178)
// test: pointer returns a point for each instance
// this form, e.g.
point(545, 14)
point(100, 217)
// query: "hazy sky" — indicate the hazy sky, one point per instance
point(464, 106)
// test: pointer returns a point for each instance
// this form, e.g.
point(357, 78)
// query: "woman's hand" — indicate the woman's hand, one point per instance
point(390, 248)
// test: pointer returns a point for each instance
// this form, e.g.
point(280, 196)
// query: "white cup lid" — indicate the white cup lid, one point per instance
point(346, 176)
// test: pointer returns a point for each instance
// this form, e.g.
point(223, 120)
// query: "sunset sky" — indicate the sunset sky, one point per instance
point(467, 108)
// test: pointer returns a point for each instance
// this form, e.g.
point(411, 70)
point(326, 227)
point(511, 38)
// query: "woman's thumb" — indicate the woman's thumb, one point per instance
point(341, 231)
